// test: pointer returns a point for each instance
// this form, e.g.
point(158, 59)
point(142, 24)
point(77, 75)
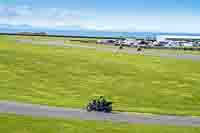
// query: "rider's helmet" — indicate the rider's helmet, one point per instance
point(101, 97)
point(94, 101)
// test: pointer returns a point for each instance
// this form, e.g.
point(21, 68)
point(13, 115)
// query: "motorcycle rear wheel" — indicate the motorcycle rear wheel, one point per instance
point(108, 110)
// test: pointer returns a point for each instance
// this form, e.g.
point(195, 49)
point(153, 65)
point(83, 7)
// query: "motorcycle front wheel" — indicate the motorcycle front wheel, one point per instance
point(88, 108)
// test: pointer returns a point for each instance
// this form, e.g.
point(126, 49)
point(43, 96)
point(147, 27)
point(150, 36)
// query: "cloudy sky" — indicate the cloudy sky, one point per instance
point(112, 15)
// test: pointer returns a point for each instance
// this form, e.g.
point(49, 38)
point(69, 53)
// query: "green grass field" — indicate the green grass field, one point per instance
point(173, 51)
point(24, 124)
point(69, 77)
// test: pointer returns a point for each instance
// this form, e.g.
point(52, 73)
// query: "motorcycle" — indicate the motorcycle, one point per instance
point(96, 106)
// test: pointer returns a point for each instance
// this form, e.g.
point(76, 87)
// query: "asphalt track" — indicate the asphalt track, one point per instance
point(69, 113)
point(130, 51)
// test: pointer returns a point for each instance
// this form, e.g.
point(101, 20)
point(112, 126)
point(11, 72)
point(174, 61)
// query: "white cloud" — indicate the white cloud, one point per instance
point(44, 17)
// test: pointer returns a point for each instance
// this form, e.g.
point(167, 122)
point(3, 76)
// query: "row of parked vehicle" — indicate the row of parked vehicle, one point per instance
point(124, 42)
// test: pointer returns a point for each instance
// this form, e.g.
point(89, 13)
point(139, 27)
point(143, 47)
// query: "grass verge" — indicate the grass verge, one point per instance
point(25, 124)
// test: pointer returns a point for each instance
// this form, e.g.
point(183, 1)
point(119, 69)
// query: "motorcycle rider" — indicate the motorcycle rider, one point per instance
point(99, 104)
point(94, 102)
point(102, 101)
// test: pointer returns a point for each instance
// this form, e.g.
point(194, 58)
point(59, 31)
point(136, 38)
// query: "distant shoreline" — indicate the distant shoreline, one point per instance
point(50, 35)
